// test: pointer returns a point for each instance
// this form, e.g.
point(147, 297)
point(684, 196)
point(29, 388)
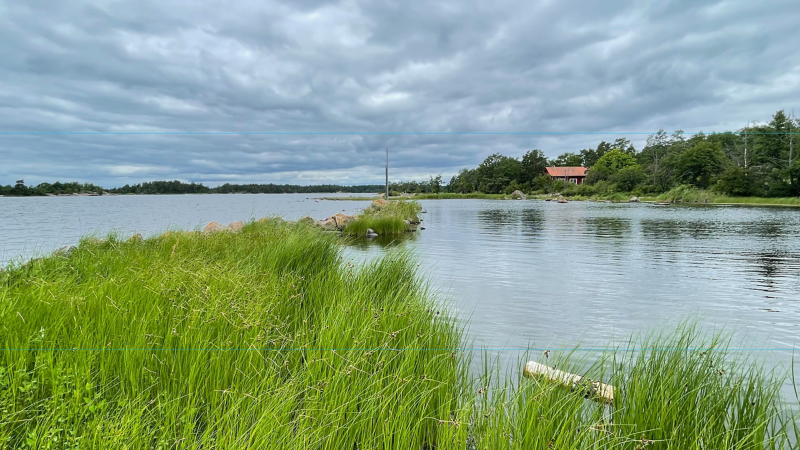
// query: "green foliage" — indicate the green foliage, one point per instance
point(733, 181)
point(568, 160)
point(614, 161)
point(497, 171)
point(628, 178)
point(533, 166)
point(700, 163)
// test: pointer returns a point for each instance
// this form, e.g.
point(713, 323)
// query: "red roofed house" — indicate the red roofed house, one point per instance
point(570, 174)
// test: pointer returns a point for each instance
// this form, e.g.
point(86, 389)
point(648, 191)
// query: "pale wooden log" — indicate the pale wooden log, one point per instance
point(590, 388)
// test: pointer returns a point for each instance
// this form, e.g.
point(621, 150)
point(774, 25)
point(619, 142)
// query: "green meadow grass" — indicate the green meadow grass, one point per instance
point(689, 194)
point(267, 338)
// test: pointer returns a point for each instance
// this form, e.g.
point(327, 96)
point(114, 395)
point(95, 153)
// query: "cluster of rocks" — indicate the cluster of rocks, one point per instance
point(215, 227)
point(335, 222)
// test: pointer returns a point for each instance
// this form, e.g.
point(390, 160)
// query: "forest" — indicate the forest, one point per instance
point(19, 189)
point(757, 160)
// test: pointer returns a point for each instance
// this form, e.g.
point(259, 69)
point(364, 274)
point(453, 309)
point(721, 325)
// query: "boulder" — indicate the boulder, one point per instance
point(342, 219)
point(136, 238)
point(66, 251)
point(371, 233)
point(307, 221)
point(214, 227)
point(328, 224)
point(236, 226)
point(634, 199)
point(518, 195)
point(379, 203)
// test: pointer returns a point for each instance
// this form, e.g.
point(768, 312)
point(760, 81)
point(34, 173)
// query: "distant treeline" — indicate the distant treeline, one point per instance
point(759, 160)
point(19, 189)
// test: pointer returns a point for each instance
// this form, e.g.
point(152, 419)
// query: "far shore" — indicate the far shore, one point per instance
point(704, 199)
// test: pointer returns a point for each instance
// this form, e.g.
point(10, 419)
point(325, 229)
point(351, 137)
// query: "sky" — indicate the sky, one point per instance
point(375, 72)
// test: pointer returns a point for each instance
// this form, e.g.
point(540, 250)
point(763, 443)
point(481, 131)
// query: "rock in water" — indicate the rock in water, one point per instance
point(371, 233)
point(518, 195)
point(634, 199)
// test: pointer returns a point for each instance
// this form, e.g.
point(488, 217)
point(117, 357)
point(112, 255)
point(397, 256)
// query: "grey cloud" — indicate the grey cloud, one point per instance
point(370, 66)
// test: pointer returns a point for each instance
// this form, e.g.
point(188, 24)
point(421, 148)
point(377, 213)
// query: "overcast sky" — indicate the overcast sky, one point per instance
point(370, 66)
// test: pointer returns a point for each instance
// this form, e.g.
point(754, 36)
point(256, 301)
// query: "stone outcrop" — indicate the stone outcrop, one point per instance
point(214, 227)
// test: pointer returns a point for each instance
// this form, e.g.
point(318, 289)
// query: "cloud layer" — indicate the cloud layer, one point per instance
point(373, 67)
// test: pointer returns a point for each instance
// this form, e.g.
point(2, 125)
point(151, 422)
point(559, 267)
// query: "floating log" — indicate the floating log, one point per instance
point(590, 388)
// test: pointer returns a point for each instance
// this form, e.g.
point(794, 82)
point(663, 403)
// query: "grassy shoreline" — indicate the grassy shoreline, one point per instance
point(681, 195)
point(266, 338)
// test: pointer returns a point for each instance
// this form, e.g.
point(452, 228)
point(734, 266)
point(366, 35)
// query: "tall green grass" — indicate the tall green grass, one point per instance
point(392, 218)
point(689, 194)
point(262, 339)
point(268, 339)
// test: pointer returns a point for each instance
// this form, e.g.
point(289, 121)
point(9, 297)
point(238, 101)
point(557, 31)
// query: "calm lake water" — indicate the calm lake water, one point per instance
point(521, 273)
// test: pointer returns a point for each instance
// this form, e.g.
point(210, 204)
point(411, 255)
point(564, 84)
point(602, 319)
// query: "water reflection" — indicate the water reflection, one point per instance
point(608, 227)
point(384, 241)
point(497, 219)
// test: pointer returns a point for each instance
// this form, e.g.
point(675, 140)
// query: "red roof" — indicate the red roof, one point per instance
point(566, 171)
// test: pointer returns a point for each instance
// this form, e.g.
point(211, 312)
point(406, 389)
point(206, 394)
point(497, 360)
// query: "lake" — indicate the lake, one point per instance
point(519, 273)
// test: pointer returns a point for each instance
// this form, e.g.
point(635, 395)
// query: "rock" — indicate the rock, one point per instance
point(66, 251)
point(371, 233)
point(518, 195)
point(328, 224)
point(379, 202)
point(562, 200)
point(236, 226)
point(307, 221)
point(634, 199)
point(214, 227)
point(342, 219)
point(136, 238)
point(421, 228)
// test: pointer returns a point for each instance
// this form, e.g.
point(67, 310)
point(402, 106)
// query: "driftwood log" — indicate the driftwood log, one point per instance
point(590, 388)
